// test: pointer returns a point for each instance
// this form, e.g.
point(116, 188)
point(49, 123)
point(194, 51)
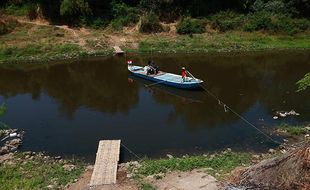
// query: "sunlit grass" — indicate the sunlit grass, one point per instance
point(37, 173)
point(293, 130)
point(221, 163)
point(230, 41)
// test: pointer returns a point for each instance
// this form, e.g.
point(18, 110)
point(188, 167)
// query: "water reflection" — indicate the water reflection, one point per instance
point(67, 108)
point(91, 84)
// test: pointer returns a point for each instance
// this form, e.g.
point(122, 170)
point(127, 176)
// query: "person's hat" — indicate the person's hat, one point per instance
point(183, 68)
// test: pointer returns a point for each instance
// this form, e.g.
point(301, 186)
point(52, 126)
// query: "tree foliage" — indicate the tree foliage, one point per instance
point(166, 10)
point(74, 7)
point(123, 15)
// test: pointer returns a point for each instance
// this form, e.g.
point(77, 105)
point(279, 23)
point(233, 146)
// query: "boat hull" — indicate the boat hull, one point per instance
point(180, 85)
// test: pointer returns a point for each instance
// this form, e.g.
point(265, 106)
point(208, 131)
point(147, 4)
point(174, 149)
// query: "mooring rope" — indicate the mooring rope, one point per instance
point(238, 115)
point(130, 151)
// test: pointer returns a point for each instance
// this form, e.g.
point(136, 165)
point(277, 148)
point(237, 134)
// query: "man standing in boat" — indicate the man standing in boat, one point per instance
point(184, 74)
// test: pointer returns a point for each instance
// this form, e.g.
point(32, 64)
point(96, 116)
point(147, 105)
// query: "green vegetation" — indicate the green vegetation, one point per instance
point(303, 83)
point(39, 51)
point(37, 173)
point(220, 163)
point(259, 21)
point(276, 23)
point(230, 41)
point(150, 23)
point(3, 109)
point(293, 130)
point(18, 8)
point(144, 185)
point(123, 15)
point(74, 7)
point(227, 20)
point(190, 26)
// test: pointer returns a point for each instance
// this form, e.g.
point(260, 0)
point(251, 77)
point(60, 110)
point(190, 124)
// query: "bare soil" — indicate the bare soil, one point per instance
point(123, 183)
point(191, 180)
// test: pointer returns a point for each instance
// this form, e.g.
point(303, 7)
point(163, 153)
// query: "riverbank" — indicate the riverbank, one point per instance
point(209, 171)
point(35, 41)
point(31, 170)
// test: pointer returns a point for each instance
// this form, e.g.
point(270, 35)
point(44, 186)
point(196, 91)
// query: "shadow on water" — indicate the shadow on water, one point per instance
point(67, 108)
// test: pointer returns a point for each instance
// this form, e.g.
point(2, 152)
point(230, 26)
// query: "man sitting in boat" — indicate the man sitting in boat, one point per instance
point(151, 68)
point(184, 74)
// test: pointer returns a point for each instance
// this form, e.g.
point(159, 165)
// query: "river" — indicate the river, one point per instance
point(67, 107)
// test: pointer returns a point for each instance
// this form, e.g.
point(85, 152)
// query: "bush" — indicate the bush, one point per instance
point(117, 24)
point(123, 15)
point(150, 23)
point(258, 21)
point(227, 20)
point(74, 7)
point(283, 24)
point(17, 9)
point(191, 26)
point(302, 24)
point(98, 23)
point(277, 23)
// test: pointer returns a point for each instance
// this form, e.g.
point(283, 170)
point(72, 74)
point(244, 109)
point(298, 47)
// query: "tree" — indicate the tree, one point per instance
point(74, 7)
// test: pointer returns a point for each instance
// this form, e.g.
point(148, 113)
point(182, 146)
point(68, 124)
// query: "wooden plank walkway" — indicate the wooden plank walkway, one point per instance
point(107, 158)
point(118, 50)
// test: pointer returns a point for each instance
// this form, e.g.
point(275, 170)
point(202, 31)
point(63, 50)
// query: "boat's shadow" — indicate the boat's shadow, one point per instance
point(192, 95)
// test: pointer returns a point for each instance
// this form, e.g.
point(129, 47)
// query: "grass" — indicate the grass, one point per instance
point(39, 51)
point(37, 173)
point(147, 186)
point(294, 130)
point(220, 163)
point(223, 42)
point(303, 83)
point(3, 109)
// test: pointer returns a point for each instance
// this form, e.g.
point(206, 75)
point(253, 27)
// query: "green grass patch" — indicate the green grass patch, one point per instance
point(293, 130)
point(37, 173)
point(38, 51)
point(222, 163)
point(226, 42)
point(303, 83)
point(3, 109)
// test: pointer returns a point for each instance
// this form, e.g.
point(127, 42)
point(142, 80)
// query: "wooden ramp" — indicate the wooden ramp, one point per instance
point(118, 50)
point(106, 163)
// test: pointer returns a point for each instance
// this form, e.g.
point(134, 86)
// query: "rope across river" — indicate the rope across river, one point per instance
point(238, 115)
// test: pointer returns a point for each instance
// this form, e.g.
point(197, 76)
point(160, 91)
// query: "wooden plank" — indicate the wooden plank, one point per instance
point(107, 158)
